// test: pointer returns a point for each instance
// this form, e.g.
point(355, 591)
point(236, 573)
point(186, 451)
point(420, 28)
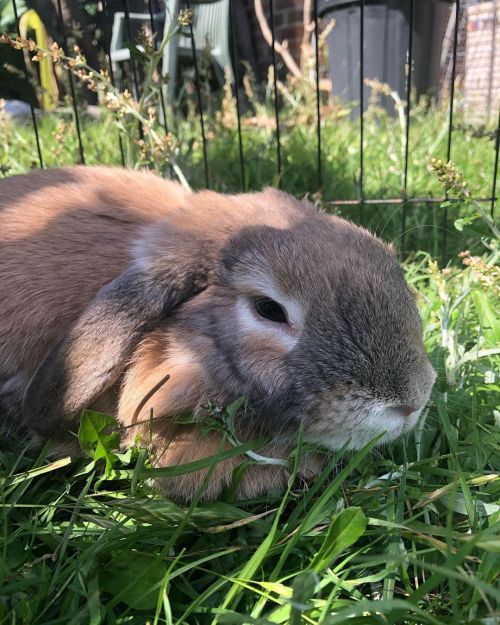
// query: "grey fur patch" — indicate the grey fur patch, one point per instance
point(11, 397)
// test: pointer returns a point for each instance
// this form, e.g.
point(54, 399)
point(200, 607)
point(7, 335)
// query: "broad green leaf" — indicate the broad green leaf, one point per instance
point(98, 437)
point(233, 408)
point(344, 531)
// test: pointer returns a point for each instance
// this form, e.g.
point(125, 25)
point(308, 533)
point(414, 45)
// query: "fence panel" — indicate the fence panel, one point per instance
point(407, 201)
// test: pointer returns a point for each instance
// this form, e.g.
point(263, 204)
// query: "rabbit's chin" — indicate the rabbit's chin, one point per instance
point(360, 431)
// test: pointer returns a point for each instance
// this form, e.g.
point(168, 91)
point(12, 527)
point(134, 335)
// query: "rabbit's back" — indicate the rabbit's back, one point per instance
point(63, 235)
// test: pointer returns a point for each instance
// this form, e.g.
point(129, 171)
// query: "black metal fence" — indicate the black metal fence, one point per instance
point(362, 202)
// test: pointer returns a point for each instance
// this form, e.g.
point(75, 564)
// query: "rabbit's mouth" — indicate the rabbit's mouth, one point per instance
point(355, 430)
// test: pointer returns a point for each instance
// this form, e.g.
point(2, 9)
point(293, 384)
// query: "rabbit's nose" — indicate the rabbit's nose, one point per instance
point(404, 410)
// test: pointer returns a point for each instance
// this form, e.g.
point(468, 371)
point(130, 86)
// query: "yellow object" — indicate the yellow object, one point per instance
point(30, 20)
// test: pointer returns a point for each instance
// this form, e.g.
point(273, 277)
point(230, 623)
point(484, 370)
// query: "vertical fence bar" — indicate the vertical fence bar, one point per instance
point(198, 91)
point(450, 123)
point(128, 24)
point(155, 44)
point(133, 67)
point(407, 129)
point(32, 108)
point(111, 72)
point(361, 105)
point(318, 100)
point(492, 59)
point(236, 94)
point(453, 76)
point(71, 86)
point(495, 169)
point(276, 104)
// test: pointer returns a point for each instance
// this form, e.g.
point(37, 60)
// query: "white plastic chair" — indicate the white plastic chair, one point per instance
point(117, 51)
point(210, 28)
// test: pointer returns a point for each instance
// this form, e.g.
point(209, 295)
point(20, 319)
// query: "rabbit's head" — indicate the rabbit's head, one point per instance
point(313, 324)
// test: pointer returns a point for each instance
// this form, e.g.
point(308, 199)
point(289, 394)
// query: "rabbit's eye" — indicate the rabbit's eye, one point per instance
point(269, 309)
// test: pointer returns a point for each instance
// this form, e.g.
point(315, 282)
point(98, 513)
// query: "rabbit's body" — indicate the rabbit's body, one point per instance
point(113, 279)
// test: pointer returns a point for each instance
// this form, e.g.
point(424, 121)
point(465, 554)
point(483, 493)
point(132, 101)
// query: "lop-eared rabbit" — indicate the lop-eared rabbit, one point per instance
point(113, 279)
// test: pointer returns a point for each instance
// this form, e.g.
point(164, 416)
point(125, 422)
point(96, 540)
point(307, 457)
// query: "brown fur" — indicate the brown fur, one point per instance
point(111, 279)
point(59, 243)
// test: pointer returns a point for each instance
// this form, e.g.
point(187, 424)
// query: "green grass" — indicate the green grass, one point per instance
point(407, 534)
point(472, 151)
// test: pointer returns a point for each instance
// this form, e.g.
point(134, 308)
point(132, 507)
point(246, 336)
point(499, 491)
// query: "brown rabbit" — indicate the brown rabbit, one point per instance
point(112, 279)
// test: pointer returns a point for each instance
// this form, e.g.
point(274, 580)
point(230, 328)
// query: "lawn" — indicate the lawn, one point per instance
point(472, 151)
point(404, 534)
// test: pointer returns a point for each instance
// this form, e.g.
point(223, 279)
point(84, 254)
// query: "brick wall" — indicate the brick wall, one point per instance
point(447, 51)
point(478, 58)
point(482, 60)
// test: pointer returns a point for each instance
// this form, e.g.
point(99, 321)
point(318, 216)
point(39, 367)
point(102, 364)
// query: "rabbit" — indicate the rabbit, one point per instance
point(112, 280)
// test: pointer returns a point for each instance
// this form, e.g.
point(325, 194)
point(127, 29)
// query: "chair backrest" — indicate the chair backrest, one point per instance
point(210, 25)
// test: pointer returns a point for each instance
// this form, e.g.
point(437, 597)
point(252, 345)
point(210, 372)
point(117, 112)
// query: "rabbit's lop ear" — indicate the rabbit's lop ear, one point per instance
point(93, 354)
